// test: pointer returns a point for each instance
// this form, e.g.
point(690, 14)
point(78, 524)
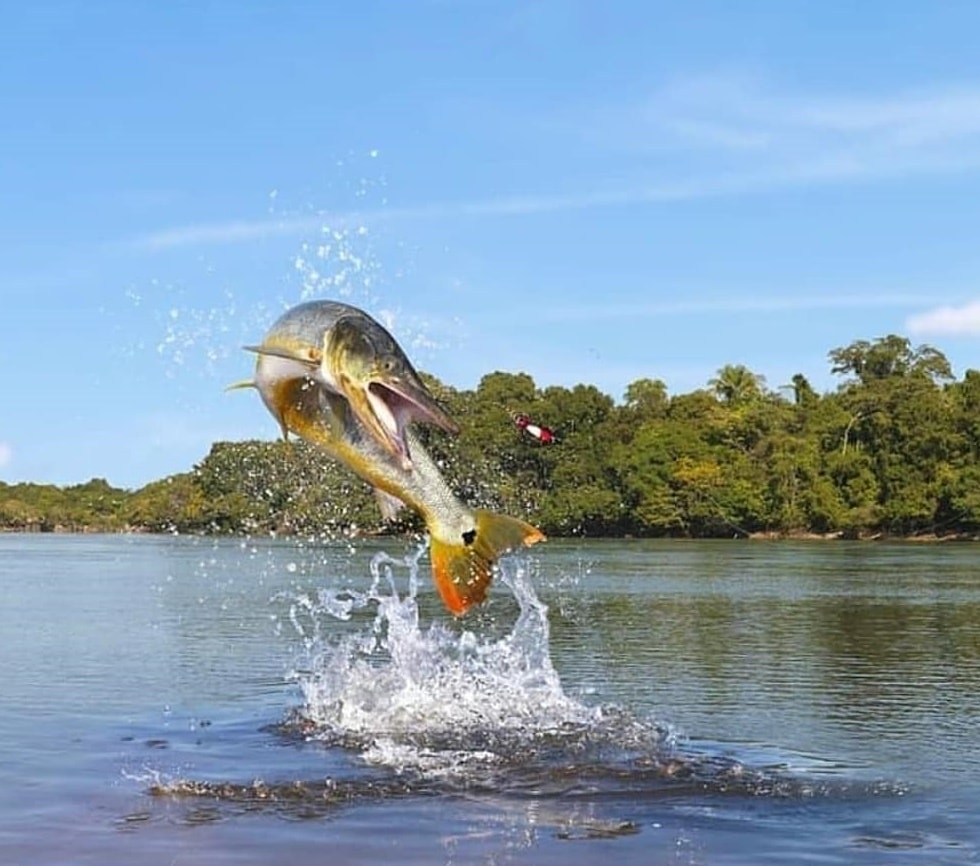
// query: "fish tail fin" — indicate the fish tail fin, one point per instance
point(463, 571)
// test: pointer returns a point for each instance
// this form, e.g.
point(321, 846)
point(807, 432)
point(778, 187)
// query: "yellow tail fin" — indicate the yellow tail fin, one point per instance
point(462, 572)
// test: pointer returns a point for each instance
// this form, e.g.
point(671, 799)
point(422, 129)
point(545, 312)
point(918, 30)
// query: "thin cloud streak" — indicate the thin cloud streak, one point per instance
point(748, 118)
point(239, 231)
point(768, 140)
point(720, 306)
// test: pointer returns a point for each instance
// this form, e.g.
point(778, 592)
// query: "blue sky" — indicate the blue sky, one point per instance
point(588, 192)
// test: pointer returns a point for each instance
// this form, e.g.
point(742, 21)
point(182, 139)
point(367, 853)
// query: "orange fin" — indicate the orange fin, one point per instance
point(463, 572)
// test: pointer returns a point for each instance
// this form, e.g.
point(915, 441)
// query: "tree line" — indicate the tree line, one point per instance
point(892, 451)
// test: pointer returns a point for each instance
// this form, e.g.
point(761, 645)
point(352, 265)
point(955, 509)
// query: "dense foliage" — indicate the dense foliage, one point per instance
point(894, 450)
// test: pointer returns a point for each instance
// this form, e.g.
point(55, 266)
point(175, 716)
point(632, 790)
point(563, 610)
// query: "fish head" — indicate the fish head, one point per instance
point(382, 388)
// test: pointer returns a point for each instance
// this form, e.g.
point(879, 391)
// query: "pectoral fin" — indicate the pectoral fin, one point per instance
point(245, 383)
point(308, 355)
point(390, 505)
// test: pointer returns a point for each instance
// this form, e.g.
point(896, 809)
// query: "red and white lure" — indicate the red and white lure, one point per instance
point(544, 435)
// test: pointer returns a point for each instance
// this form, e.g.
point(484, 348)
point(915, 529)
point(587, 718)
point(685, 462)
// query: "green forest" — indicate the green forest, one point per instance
point(893, 451)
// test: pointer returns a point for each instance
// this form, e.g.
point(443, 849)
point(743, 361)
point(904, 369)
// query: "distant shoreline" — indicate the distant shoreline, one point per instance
point(794, 535)
point(925, 537)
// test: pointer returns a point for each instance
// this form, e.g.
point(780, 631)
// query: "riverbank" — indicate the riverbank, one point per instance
point(772, 535)
point(923, 537)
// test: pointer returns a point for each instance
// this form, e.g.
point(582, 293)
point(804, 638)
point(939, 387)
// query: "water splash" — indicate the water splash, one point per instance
point(340, 263)
point(204, 339)
point(405, 710)
point(435, 699)
point(201, 309)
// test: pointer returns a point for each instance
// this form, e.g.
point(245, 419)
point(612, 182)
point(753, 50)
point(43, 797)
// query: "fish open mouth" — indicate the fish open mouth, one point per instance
point(395, 404)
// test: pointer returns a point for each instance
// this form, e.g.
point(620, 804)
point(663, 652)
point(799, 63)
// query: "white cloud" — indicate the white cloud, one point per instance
point(948, 320)
point(6, 454)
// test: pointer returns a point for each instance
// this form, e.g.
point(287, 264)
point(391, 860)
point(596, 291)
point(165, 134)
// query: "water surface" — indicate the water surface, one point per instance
point(179, 700)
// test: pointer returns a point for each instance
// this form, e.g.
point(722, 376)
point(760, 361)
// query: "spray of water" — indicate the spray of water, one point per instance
point(437, 709)
point(203, 313)
point(434, 698)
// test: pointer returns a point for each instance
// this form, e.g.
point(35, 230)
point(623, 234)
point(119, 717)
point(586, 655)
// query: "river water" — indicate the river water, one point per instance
point(171, 700)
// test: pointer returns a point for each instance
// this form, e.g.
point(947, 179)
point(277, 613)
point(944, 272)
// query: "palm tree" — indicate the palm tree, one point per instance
point(736, 384)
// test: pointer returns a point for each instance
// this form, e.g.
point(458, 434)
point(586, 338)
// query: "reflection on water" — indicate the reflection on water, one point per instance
point(693, 702)
point(860, 653)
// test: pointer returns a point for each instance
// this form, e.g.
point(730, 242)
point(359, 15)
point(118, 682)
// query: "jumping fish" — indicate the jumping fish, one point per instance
point(333, 376)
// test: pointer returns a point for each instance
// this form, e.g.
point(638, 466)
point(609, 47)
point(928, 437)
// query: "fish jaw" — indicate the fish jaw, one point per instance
point(387, 406)
point(370, 370)
point(381, 420)
point(409, 401)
